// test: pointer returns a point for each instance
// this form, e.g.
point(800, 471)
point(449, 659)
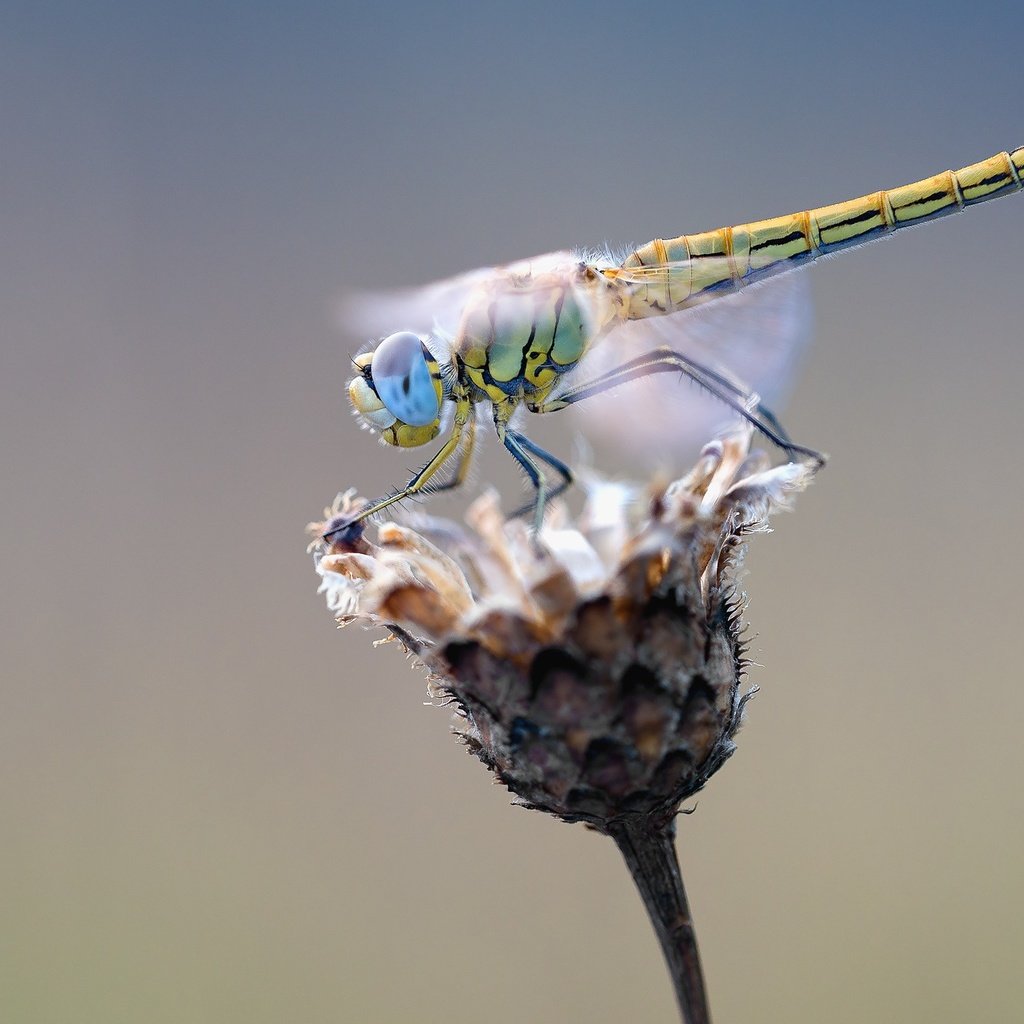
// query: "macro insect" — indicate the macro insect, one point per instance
point(520, 336)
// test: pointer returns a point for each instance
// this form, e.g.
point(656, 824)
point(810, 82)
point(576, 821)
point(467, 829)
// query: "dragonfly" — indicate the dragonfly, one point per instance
point(520, 335)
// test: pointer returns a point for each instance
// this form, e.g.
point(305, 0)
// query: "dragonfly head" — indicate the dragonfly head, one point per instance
point(397, 390)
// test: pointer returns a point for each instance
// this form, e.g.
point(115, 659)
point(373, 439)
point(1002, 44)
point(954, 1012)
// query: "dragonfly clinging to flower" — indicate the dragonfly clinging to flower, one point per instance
point(517, 332)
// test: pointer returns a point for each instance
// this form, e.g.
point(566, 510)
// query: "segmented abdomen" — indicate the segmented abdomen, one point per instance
point(684, 271)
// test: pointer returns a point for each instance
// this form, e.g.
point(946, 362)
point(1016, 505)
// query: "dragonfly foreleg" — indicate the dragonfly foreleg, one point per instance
point(521, 449)
point(417, 485)
point(665, 360)
point(462, 469)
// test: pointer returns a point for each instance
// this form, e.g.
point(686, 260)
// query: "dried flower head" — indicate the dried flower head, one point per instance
point(595, 669)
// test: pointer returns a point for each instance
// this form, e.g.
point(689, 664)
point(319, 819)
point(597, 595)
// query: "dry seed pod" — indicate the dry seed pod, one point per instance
point(597, 672)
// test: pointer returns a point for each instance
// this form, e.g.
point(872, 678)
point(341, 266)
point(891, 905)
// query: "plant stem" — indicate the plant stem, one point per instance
point(649, 851)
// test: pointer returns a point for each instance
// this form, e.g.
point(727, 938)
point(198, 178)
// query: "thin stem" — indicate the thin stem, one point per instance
point(650, 853)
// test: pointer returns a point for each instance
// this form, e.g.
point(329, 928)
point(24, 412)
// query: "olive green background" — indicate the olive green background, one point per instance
point(215, 807)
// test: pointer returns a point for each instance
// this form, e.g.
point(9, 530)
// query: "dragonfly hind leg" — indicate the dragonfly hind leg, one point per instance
point(665, 360)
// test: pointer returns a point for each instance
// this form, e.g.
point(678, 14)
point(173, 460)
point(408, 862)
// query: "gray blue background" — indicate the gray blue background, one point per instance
point(217, 808)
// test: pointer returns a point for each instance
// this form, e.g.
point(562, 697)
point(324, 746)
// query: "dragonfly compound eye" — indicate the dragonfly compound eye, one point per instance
point(406, 378)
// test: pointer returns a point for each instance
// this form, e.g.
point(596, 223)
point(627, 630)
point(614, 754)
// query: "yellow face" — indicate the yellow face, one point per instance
point(398, 391)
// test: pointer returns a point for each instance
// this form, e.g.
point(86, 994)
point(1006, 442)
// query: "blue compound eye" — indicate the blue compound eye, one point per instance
point(403, 381)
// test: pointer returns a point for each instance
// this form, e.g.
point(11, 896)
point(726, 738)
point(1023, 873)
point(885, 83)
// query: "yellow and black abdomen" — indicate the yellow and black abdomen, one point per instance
point(675, 273)
point(861, 220)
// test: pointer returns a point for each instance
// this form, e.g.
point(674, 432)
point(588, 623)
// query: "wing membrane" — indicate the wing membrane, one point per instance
point(754, 337)
point(436, 308)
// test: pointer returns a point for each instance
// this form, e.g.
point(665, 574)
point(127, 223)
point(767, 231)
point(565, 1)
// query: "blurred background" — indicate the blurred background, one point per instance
point(216, 807)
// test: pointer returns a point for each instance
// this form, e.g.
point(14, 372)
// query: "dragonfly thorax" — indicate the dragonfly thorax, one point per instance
point(520, 334)
point(397, 390)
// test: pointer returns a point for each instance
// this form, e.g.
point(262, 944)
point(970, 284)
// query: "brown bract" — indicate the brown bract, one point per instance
point(595, 669)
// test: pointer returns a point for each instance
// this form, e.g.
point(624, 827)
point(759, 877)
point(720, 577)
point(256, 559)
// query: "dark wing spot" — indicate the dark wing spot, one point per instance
point(406, 384)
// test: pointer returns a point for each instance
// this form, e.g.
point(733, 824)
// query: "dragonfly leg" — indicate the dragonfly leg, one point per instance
point(417, 485)
point(525, 452)
point(665, 360)
point(462, 469)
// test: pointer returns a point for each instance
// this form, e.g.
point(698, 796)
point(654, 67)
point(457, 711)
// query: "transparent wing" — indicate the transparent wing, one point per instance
point(419, 309)
point(755, 337)
point(436, 308)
